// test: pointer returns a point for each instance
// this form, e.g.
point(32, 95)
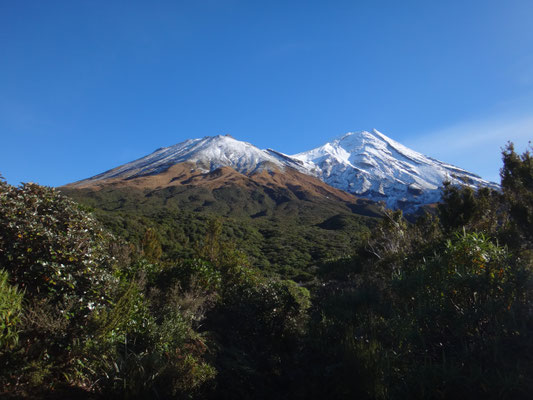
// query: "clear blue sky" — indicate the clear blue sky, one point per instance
point(88, 85)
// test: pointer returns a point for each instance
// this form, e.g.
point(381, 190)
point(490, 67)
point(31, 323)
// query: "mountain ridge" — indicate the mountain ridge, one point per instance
point(363, 164)
point(374, 166)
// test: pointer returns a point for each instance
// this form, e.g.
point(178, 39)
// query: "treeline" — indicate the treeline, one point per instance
point(439, 308)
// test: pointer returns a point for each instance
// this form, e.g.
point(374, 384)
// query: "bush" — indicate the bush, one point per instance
point(62, 260)
point(463, 321)
point(150, 345)
point(53, 250)
point(10, 312)
point(258, 324)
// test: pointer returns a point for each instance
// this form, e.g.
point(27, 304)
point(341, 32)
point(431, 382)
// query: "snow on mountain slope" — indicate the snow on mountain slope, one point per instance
point(216, 162)
point(208, 153)
point(371, 165)
point(367, 164)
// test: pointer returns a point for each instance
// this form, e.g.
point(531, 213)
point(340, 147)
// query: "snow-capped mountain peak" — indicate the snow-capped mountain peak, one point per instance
point(367, 164)
point(372, 165)
point(207, 154)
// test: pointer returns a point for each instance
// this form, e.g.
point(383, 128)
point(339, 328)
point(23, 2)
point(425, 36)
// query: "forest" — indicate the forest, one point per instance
point(164, 302)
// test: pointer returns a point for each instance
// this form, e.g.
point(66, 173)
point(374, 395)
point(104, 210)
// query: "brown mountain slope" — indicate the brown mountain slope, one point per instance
point(185, 174)
point(224, 191)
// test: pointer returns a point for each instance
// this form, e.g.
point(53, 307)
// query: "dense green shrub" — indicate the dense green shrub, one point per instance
point(54, 250)
point(10, 312)
point(259, 325)
point(91, 317)
point(150, 346)
point(62, 260)
point(441, 307)
point(465, 316)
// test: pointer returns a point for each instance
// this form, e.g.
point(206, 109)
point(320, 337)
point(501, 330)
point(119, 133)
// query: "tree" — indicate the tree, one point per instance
point(517, 185)
point(151, 246)
point(473, 209)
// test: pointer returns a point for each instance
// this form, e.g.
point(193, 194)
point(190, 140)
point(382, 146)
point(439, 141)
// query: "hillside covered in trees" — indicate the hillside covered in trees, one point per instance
point(160, 301)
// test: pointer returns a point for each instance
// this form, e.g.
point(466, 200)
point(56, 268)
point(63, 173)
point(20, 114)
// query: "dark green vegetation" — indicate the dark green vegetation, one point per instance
point(173, 304)
point(279, 232)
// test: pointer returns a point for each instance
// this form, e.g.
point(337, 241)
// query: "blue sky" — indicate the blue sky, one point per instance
point(89, 85)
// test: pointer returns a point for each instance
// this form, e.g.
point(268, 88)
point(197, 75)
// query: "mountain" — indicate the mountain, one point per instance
point(223, 173)
point(215, 162)
point(319, 202)
point(365, 164)
point(373, 166)
point(207, 154)
point(283, 219)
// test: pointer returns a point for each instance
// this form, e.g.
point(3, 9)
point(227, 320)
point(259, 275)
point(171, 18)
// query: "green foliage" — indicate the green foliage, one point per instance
point(394, 241)
point(464, 315)
point(199, 305)
point(88, 319)
point(10, 312)
point(344, 356)
point(151, 246)
point(152, 347)
point(479, 210)
point(62, 259)
point(188, 273)
point(517, 185)
point(271, 308)
point(52, 249)
point(288, 239)
point(471, 279)
point(259, 324)
point(517, 170)
point(433, 309)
